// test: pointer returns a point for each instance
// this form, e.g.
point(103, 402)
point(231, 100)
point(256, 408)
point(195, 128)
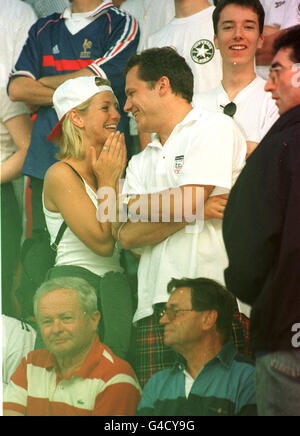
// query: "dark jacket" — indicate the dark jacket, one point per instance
point(261, 231)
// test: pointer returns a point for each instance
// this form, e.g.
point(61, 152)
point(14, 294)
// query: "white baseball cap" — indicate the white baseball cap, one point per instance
point(71, 94)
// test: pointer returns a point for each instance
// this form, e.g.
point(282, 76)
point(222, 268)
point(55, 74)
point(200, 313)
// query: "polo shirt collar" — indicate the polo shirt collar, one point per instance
point(225, 357)
point(92, 14)
point(192, 116)
point(180, 363)
point(91, 361)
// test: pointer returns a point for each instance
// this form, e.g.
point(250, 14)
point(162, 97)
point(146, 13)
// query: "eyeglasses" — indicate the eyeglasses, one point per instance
point(229, 109)
point(172, 313)
point(275, 71)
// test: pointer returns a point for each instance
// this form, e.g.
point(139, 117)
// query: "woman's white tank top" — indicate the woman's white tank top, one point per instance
point(71, 251)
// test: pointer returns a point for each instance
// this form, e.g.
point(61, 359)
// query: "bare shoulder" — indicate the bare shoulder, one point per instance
point(60, 184)
point(60, 174)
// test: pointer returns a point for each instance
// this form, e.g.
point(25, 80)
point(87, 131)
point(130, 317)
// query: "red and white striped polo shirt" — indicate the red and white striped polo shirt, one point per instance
point(104, 386)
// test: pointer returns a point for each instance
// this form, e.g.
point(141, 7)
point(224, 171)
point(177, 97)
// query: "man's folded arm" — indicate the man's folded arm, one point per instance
point(138, 235)
point(30, 91)
point(54, 82)
point(165, 214)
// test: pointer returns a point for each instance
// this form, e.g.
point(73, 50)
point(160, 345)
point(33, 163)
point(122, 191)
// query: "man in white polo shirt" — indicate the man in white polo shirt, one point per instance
point(193, 152)
point(238, 27)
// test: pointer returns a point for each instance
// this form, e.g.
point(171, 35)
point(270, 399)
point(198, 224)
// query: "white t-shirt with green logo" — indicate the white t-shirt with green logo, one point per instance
point(193, 38)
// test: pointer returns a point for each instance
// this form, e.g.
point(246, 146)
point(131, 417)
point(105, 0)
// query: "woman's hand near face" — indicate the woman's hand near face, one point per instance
point(65, 193)
point(110, 164)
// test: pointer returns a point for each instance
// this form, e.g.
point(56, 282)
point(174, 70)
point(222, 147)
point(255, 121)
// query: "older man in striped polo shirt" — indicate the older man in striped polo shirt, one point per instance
point(76, 375)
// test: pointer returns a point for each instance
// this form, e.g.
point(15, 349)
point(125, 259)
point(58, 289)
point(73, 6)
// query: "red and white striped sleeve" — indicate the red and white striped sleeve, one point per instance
point(15, 393)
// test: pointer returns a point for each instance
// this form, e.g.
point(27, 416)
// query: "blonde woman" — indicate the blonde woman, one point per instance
point(92, 156)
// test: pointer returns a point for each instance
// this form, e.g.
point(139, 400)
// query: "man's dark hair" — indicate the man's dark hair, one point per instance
point(158, 62)
point(255, 5)
point(210, 295)
point(289, 39)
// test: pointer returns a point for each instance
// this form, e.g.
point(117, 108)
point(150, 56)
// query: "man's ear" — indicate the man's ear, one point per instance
point(260, 43)
point(95, 318)
point(76, 118)
point(163, 85)
point(216, 42)
point(209, 319)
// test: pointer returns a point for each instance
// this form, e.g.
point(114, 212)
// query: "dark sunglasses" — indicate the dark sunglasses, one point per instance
point(229, 109)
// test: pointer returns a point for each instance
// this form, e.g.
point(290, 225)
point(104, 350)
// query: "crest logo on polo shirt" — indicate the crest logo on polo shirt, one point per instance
point(86, 53)
point(278, 4)
point(202, 51)
point(178, 164)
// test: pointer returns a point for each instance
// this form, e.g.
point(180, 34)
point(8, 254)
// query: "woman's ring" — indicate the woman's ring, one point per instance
point(105, 148)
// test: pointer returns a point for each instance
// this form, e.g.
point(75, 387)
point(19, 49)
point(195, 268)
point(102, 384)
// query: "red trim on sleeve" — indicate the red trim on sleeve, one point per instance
point(109, 19)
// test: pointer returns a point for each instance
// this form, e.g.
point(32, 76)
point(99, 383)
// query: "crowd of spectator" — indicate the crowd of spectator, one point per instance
point(150, 150)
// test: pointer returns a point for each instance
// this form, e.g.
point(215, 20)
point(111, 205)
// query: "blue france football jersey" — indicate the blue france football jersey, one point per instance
point(104, 46)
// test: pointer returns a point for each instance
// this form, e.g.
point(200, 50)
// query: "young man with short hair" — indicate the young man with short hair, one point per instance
point(191, 33)
point(194, 154)
point(212, 378)
point(264, 254)
point(152, 16)
point(238, 26)
point(76, 375)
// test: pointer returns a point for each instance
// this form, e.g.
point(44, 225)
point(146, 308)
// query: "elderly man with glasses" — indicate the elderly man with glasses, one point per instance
point(211, 378)
point(76, 375)
point(262, 237)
